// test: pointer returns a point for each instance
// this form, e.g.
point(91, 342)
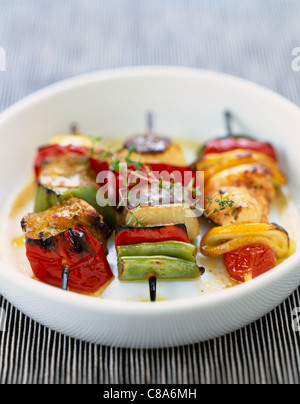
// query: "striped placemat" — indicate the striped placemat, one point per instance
point(45, 41)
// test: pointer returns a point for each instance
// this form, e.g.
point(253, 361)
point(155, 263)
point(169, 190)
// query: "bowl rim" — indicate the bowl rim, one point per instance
point(160, 307)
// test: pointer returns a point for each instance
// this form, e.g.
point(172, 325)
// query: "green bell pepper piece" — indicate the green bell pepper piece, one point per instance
point(175, 249)
point(138, 268)
point(47, 197)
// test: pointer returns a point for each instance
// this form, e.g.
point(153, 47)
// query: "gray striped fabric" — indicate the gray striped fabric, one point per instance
point(48, 40)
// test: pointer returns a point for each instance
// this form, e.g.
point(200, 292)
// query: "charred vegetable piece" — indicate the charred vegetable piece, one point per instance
point(248, 249)
point(57, 150)
point(224, 239)
point(70, 234)
point(175, 249)
point(66, 171)
point(65, 215)
point(88, 268)
point(164, 214)
point(126, 235)
point(138, 268)
point(249, 262)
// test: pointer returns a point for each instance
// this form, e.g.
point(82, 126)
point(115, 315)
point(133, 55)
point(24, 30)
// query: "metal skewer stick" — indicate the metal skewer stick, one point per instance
point(74, 129)
point(149, 122)
point(201, 270)
point(65, 275)
point(152, 286)
point(228, 122)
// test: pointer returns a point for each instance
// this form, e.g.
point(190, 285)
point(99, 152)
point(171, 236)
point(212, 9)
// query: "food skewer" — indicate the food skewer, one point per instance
point(151, 147)
point(65, 275)
point(246, 172)
point(155, 252)
point(228, 117)
point(150, 122)
point(63, 213)
point(238, 168)
point(66, 237)
point(151, 255)
point(63, 169)
point(152, 286)
point(66, 246)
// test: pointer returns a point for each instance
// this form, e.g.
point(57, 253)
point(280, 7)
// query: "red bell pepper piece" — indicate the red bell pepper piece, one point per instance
point(126, 235)
point(170, 168)
point(102, 165)
point(233, 143)
point(98, 165)
point(249, 262)
point(88, 266)
point(56, 150)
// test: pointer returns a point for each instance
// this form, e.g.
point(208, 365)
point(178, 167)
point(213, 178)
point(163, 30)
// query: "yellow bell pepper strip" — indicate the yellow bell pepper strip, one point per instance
point(224, 239)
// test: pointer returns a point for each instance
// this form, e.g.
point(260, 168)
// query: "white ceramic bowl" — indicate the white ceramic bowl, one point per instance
point(187, 103)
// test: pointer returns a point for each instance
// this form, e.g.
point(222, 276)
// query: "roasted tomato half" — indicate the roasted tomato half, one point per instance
point(249, 262)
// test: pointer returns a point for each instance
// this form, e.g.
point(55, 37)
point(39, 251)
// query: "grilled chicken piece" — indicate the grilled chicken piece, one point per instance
point(254, 176)
point(64, 215)
point(212, 164)
point(249, 206)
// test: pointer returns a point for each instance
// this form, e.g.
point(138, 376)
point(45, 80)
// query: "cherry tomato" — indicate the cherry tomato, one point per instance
point(249, 262)
point(233, 143)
